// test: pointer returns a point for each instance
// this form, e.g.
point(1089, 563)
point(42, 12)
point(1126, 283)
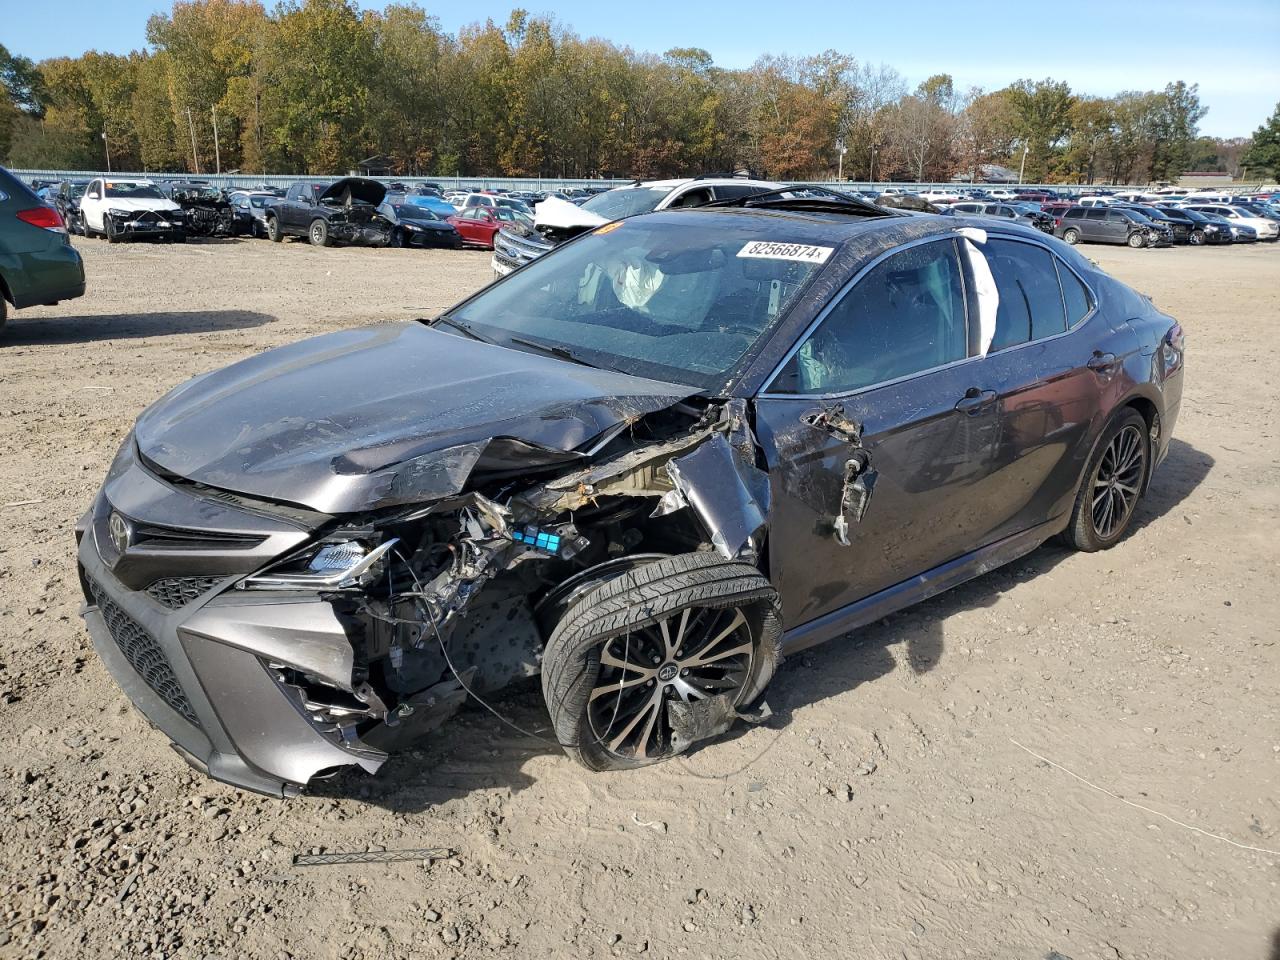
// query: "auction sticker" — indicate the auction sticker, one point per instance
point(801, 252)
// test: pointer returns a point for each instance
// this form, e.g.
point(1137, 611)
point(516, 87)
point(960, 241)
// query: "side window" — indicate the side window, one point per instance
point(1096, 213)
point(906, 315)
point(735, 191)
point(1030, 297)
point(692, 198)
point(1075, 213)
point(1074, 294)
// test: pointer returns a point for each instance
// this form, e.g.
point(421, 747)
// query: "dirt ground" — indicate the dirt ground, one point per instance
point(894, 807)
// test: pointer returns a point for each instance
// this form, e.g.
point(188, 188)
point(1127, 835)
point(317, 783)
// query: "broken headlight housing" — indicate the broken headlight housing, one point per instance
point(333, 565)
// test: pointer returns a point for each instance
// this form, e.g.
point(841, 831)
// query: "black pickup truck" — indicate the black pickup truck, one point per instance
point(345, 211)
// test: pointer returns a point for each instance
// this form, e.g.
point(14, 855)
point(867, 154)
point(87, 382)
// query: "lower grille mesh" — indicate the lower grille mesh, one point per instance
point(177, 592)
point(143, 654)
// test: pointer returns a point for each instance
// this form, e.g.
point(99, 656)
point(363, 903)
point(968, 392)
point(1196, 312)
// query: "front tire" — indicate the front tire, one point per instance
point(1071, 236)
point(684, 628)
point(1197, 238)
point(319, 234)
point(1137, 241)
point(1113, 484)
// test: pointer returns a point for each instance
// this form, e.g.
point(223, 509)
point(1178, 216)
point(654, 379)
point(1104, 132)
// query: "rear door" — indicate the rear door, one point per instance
point(1042, 365)
point(882, 382)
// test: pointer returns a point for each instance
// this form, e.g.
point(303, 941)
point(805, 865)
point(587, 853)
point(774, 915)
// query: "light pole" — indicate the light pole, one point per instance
point(841, 149)
point(871, 174)
point(107, 147)
point(1026, 147)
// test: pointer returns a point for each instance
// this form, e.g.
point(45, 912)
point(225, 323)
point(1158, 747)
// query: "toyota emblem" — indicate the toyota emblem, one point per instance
point(118, 528)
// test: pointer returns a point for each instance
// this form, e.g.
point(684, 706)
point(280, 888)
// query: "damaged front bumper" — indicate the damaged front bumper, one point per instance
point(145, 224)
point(212, 669)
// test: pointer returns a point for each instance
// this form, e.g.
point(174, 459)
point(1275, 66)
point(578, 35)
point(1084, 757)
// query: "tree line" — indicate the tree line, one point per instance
point(316, 86)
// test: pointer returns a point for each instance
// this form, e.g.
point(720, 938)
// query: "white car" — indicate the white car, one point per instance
point(556, 220)
point(1000, 193)
point(1097, 201)
point(1266, 228)
point(130, 209)
point(941, 196)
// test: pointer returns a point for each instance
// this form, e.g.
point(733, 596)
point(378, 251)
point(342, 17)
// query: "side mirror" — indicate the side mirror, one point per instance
point(93, 195)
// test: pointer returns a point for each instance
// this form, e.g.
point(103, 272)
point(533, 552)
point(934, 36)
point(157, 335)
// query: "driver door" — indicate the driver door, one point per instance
point(92, 204)
point(885, 379)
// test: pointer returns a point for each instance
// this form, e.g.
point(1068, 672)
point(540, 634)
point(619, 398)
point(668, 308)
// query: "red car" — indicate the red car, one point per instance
point(479, 225)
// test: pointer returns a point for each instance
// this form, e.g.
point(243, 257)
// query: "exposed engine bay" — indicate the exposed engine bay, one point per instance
point(457, 596)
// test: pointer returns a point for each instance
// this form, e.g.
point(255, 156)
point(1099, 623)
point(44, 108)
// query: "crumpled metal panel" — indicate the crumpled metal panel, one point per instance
point(346, 408)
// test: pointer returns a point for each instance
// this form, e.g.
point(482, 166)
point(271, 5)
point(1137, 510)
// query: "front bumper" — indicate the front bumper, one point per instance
point(148, 226)
point(199, 658)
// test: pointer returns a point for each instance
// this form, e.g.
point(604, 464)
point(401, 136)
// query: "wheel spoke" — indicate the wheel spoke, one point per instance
point(609, 659)
point(650, 707)
point(617, 686)
point(702, 659)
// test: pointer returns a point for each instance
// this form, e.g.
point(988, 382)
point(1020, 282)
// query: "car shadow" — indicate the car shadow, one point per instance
point(475, 750)
point(20, 331)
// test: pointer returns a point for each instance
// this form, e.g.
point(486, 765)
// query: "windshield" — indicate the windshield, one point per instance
point(408, 211)
point(133, 191)
point(626, 201)
point(667, 299)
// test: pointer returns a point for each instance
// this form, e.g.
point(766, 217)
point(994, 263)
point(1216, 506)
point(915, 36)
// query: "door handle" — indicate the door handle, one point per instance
point(975, 400)
point(1101, 362)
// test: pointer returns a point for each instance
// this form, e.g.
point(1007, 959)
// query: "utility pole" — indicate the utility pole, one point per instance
point(871, 175)
point(106, 145)
point(217, 155)
point(195, 157)
point(1026, 147)
point(840, 148)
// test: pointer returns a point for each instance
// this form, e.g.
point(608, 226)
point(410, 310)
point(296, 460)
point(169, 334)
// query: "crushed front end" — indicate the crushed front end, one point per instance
point(122, 224)
point(276, 644)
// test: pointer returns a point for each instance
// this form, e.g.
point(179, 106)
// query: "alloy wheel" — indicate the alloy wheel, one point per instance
point(695, 653)
point(1118, 481)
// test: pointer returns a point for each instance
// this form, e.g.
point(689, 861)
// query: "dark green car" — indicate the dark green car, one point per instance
point(38, 265)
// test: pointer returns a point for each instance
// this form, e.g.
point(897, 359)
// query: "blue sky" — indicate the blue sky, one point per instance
point(1097, 47)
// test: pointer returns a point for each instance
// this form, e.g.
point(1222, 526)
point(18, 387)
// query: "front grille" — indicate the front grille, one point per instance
point(177, 592)
point(143, 654)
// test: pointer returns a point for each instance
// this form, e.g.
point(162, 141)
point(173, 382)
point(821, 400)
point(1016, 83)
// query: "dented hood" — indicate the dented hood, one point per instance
point(382, 415)
point(563, 215)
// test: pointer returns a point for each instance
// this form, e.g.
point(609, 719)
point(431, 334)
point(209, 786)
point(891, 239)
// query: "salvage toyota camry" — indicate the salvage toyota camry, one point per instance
point(643, 467)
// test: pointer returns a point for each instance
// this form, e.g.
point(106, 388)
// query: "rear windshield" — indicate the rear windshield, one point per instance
point(659, 297)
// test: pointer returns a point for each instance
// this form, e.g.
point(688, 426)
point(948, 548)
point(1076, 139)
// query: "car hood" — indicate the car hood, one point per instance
point(382, 415)
point(357, 188)
point(133, 203)
point(554, 212)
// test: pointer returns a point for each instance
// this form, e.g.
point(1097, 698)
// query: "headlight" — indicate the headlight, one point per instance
point(118, 213)
point(333, 566)
point(1211, 229)
point(410, 226)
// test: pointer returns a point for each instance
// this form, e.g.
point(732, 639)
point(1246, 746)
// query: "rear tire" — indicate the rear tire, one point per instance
point(274, 233)
point(1071, 236)
point(682, 628)
point(1112, 486)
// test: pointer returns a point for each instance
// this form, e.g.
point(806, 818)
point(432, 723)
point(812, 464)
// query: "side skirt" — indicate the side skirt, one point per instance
point(918, 588)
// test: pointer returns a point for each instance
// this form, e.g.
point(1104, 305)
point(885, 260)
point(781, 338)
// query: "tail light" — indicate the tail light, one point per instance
point(44, 217)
